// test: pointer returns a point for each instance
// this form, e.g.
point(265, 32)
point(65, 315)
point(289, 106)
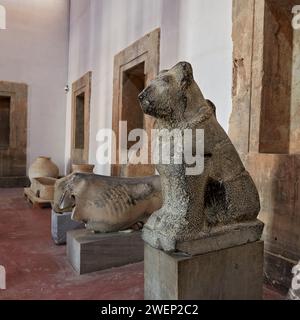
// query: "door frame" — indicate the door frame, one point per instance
point(82, 85)
point(147, 50)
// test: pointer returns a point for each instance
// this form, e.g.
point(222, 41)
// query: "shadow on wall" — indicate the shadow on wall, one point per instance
point(277, 185)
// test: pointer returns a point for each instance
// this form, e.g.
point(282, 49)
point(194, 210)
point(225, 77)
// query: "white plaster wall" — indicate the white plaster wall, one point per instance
point(34, 50)
point(205, 41)
point(198, 31)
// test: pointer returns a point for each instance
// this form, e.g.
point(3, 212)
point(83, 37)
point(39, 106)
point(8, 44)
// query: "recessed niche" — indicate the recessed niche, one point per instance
point(81, 95)
point(276, 89)
point(79, 130)
point(13, 133)
point(133, 84)
point(134, 68)
point(4, 121)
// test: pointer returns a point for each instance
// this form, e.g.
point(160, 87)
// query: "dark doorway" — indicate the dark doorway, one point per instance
point(79, 129)
point(13, 134)
point(133, 84)
point(4, 121)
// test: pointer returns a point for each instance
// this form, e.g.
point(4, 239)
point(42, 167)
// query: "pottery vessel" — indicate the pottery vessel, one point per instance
point(43, 167)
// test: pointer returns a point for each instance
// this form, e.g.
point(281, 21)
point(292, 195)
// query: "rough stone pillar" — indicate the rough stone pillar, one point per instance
point(264, 124)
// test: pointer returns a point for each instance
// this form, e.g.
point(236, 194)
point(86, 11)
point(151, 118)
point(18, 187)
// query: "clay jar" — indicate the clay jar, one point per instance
point(85, 168)
point(43, 167)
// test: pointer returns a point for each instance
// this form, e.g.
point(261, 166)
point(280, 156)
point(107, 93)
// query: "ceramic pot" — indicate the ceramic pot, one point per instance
point(85, 168)
point(43, 167)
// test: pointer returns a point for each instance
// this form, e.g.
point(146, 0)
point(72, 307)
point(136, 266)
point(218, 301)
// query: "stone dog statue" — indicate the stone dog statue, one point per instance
point(107, 204)
point(223, 194)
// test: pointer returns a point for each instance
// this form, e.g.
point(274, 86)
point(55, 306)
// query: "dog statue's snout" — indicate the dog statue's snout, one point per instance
point(142, 95)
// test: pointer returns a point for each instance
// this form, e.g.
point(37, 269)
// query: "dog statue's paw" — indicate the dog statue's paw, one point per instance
point(163, 230)
point(154, 220)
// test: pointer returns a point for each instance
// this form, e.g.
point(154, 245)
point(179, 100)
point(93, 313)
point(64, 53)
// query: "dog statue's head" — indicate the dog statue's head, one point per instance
point(173, 95)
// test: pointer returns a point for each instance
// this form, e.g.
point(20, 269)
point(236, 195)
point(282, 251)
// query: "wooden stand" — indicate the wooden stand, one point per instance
point(35, 201)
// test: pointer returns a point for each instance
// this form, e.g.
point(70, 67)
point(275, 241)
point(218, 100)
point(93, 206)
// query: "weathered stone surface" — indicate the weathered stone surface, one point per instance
point(233, 273)
point(88, 252)
point(223, 237)
point(223, 194)
point(242, 12)
point(108, 204)
point(295, 97)
point(266, 104)
point(262, 76)
point(61, 223)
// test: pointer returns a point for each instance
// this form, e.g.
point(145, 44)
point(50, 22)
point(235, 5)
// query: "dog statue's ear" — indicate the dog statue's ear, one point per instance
point(213, 107)
point(186, 75)
point(163, 71)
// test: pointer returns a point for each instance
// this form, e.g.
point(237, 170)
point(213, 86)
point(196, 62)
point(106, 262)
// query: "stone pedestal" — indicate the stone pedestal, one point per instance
point(88, 252)
point(61, 223)
point(231, 273)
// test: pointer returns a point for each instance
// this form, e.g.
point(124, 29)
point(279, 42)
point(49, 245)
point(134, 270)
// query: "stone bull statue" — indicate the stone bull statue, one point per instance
point(107, 204)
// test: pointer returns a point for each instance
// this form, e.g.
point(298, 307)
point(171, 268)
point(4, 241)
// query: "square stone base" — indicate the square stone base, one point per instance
point(88, 252)
point(61, 223)
point(232, 273)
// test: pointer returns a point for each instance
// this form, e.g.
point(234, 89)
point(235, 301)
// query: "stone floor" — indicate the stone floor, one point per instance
point(38, 269)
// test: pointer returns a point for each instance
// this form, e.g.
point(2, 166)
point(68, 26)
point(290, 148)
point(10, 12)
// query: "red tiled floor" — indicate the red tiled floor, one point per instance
point(272, 294)
point(38, 269)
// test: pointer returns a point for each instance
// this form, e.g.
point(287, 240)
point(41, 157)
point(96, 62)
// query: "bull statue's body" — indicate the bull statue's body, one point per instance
point(107, 204)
